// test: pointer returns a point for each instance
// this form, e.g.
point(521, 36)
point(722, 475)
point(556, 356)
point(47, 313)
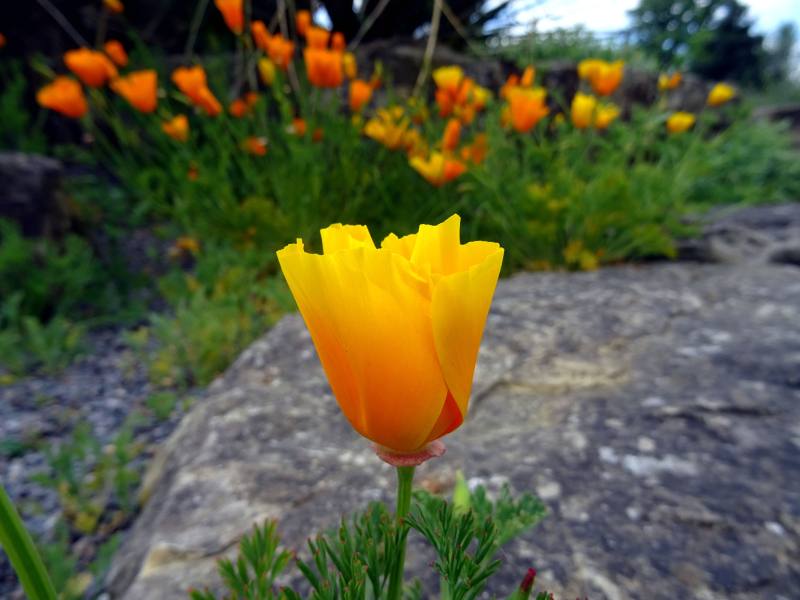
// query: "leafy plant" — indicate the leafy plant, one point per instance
point(355, 560)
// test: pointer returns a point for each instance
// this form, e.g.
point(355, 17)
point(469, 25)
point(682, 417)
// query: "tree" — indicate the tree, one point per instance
point(712, 37)
point(665, 28)
point(728, 49)
point(404, 18)
point(780, 56)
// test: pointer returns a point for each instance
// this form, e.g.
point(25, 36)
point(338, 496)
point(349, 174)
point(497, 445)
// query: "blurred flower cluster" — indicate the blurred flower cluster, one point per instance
point(331, 68)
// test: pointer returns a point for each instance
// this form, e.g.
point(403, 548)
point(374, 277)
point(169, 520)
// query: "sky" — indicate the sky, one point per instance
point(611, 15)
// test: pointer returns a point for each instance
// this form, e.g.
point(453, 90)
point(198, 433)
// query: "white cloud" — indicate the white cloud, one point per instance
point(609, 15)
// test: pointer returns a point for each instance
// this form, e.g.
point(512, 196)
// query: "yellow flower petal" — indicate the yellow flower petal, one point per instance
point(459, 308)
point(374, 338)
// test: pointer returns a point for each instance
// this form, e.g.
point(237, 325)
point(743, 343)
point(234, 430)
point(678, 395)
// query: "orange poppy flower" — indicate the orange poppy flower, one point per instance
point(360, 94)
point(452, 135)
point(338, 43)
point(242, 106)
point(260, 35)
point(605, 77)
point(669, 82)
point(302, 22)
point(63, 95)
point(114, 6)
point(255, 145)
point(177, 128)
point(299, 126)
point(448, 83)
point(115, 51)
point(233, 14)
point(93, 68)
point(425, 293)
point(192, 173)
point(238, 108)
point(476, 152)
point(280, 51)
point(2, 40)
point(208, 102)
point(437, 169)
point(526, 107)
point(317, 135)
point(527, 76)
point(192, 82)
point(511, 82)
point(139, 89)
point(323, 67)
point(317, 37)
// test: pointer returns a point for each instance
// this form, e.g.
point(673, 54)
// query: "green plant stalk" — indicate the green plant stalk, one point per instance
point(25, 560)
point(405, 477)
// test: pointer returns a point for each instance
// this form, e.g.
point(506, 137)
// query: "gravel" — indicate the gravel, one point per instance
point(37, 412)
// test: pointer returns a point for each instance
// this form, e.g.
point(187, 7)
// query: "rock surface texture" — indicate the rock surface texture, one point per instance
point(31, 192)
point(654, 409)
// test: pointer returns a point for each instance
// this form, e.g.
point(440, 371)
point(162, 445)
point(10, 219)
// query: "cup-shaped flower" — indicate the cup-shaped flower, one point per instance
point(669, 82)
point(680, 121)
point(510, 84)
point(452, 135)
point(116, 52)
point(233, 13)
point(437, 169)
point(93, 68)
point(177, 128)
point(114, 6)
point(449, 79)
point(338, 43)
point(257, 146)
point(360, 94)
point(317, 37)
point(527, 76)
point(260, 35)
point(266, 70)
point(605, 77)
point(397, 328)
point(302, 22)
point(192, 82)
point(582, 110)
point(208, 102)
point(323, 67)
point(139, 89)
point(476, 151)
point(280, 51)
point(349, 65)
point(605, 115)
point(298, 127)
point(526, 108)
point(588, 66)
point(720, 94)
point(63, 95)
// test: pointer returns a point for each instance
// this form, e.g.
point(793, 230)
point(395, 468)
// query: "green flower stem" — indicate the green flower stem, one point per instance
point(18, 545)
point(405, 477)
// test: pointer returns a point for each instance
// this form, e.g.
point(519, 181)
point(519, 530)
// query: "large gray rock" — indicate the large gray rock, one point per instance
point(31, 193)
point(751, 235)
point(655, 410)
